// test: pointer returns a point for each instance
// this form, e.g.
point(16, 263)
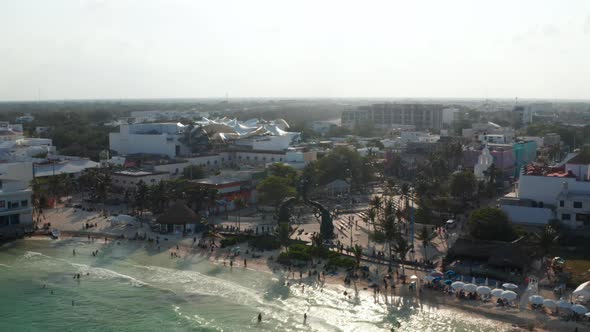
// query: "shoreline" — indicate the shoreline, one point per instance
point(520, 320)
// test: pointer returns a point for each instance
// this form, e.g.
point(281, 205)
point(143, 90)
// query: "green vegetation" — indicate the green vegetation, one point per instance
point(579, 270)
point(490, 224)
point(193, 172)
point(342, 163)
point(300, 253)
point(265, 242)
point(274, 189)
point(571, 136)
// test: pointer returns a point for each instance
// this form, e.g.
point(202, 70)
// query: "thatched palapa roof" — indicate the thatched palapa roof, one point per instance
point(178, 214)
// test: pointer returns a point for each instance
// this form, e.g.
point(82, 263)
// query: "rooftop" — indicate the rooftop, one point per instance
point(137, 173)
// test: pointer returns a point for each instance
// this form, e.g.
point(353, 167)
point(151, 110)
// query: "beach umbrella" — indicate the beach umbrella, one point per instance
point(509, 286)
point(429, 278)
point(587, 314)
point(450, 273)
point(483, 290)
point(457, 285)
point(470, 287)
point(549, 303)
point(562, 304)
point(508, 295)
point(497, 292)
point(536, 299)
point(413, 277)
point(448, 281)
point(579, 309)
point(436, 273)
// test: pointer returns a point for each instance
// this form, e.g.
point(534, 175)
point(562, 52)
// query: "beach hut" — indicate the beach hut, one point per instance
point(177, 217)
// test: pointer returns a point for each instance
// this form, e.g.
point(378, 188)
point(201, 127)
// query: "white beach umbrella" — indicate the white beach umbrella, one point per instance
point(564, 304)
point(469, 287)
point(429, 278)
point(536, 299)
point(436, 273)
point(457, 285)
point(509, 286)
point(549, 303)
point(579, 309)
point(413, 277)
point(508, 295)
point(497, 292)
point(587, 314)
point(483, 290)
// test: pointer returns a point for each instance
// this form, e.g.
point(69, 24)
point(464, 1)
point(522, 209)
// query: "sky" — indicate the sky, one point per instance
point(95, 49)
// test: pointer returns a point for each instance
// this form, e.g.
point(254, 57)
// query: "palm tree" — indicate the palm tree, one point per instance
point(426, 237)
point(401, 248)
point(283, 235)
point(239, 203)
point(39, 199)
point(376, 203)
point(357, 251)
point(546, 239)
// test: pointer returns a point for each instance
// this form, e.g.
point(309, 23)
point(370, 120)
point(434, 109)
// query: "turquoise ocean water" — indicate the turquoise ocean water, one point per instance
point(132, 287)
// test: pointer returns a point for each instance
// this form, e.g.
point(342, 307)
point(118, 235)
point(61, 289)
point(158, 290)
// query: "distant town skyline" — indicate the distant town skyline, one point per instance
point(100, 49)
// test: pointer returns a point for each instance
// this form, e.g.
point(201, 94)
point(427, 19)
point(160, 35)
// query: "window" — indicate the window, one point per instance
point(566, 216)
point(215, 162)
point(2, 204)
point(256, 158)
point(561, 204)
point(272, 159)
point(153, 180)
point(264, 158)
point(247, 157)
point(577, 205)
point(12, 205)
point(280, 159)
point(116, 181)
point(24, 203)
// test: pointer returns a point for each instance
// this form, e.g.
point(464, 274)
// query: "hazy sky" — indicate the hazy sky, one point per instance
point(80, 49)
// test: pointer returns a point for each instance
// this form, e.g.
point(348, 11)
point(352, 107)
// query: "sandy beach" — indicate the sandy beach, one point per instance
point(71, 223)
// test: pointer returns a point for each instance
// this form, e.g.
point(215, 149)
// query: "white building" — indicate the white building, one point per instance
point(543, 190)
point(10, 132)
point(15, 196)
point(489, 128)
point(130, 179)
point(449, 115)
point(149, 138)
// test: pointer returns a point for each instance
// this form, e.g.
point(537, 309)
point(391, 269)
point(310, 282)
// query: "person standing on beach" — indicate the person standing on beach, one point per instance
point(245, 263)
point(73, 252)
point(304, 318)
point(259, 317)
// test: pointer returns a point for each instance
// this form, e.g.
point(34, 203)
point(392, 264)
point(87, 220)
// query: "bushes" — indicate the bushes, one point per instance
point(303, 253)
point(231, 241)
point(264, 243)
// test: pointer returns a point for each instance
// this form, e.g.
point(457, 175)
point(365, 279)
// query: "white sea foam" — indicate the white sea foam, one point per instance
point(102, 273)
